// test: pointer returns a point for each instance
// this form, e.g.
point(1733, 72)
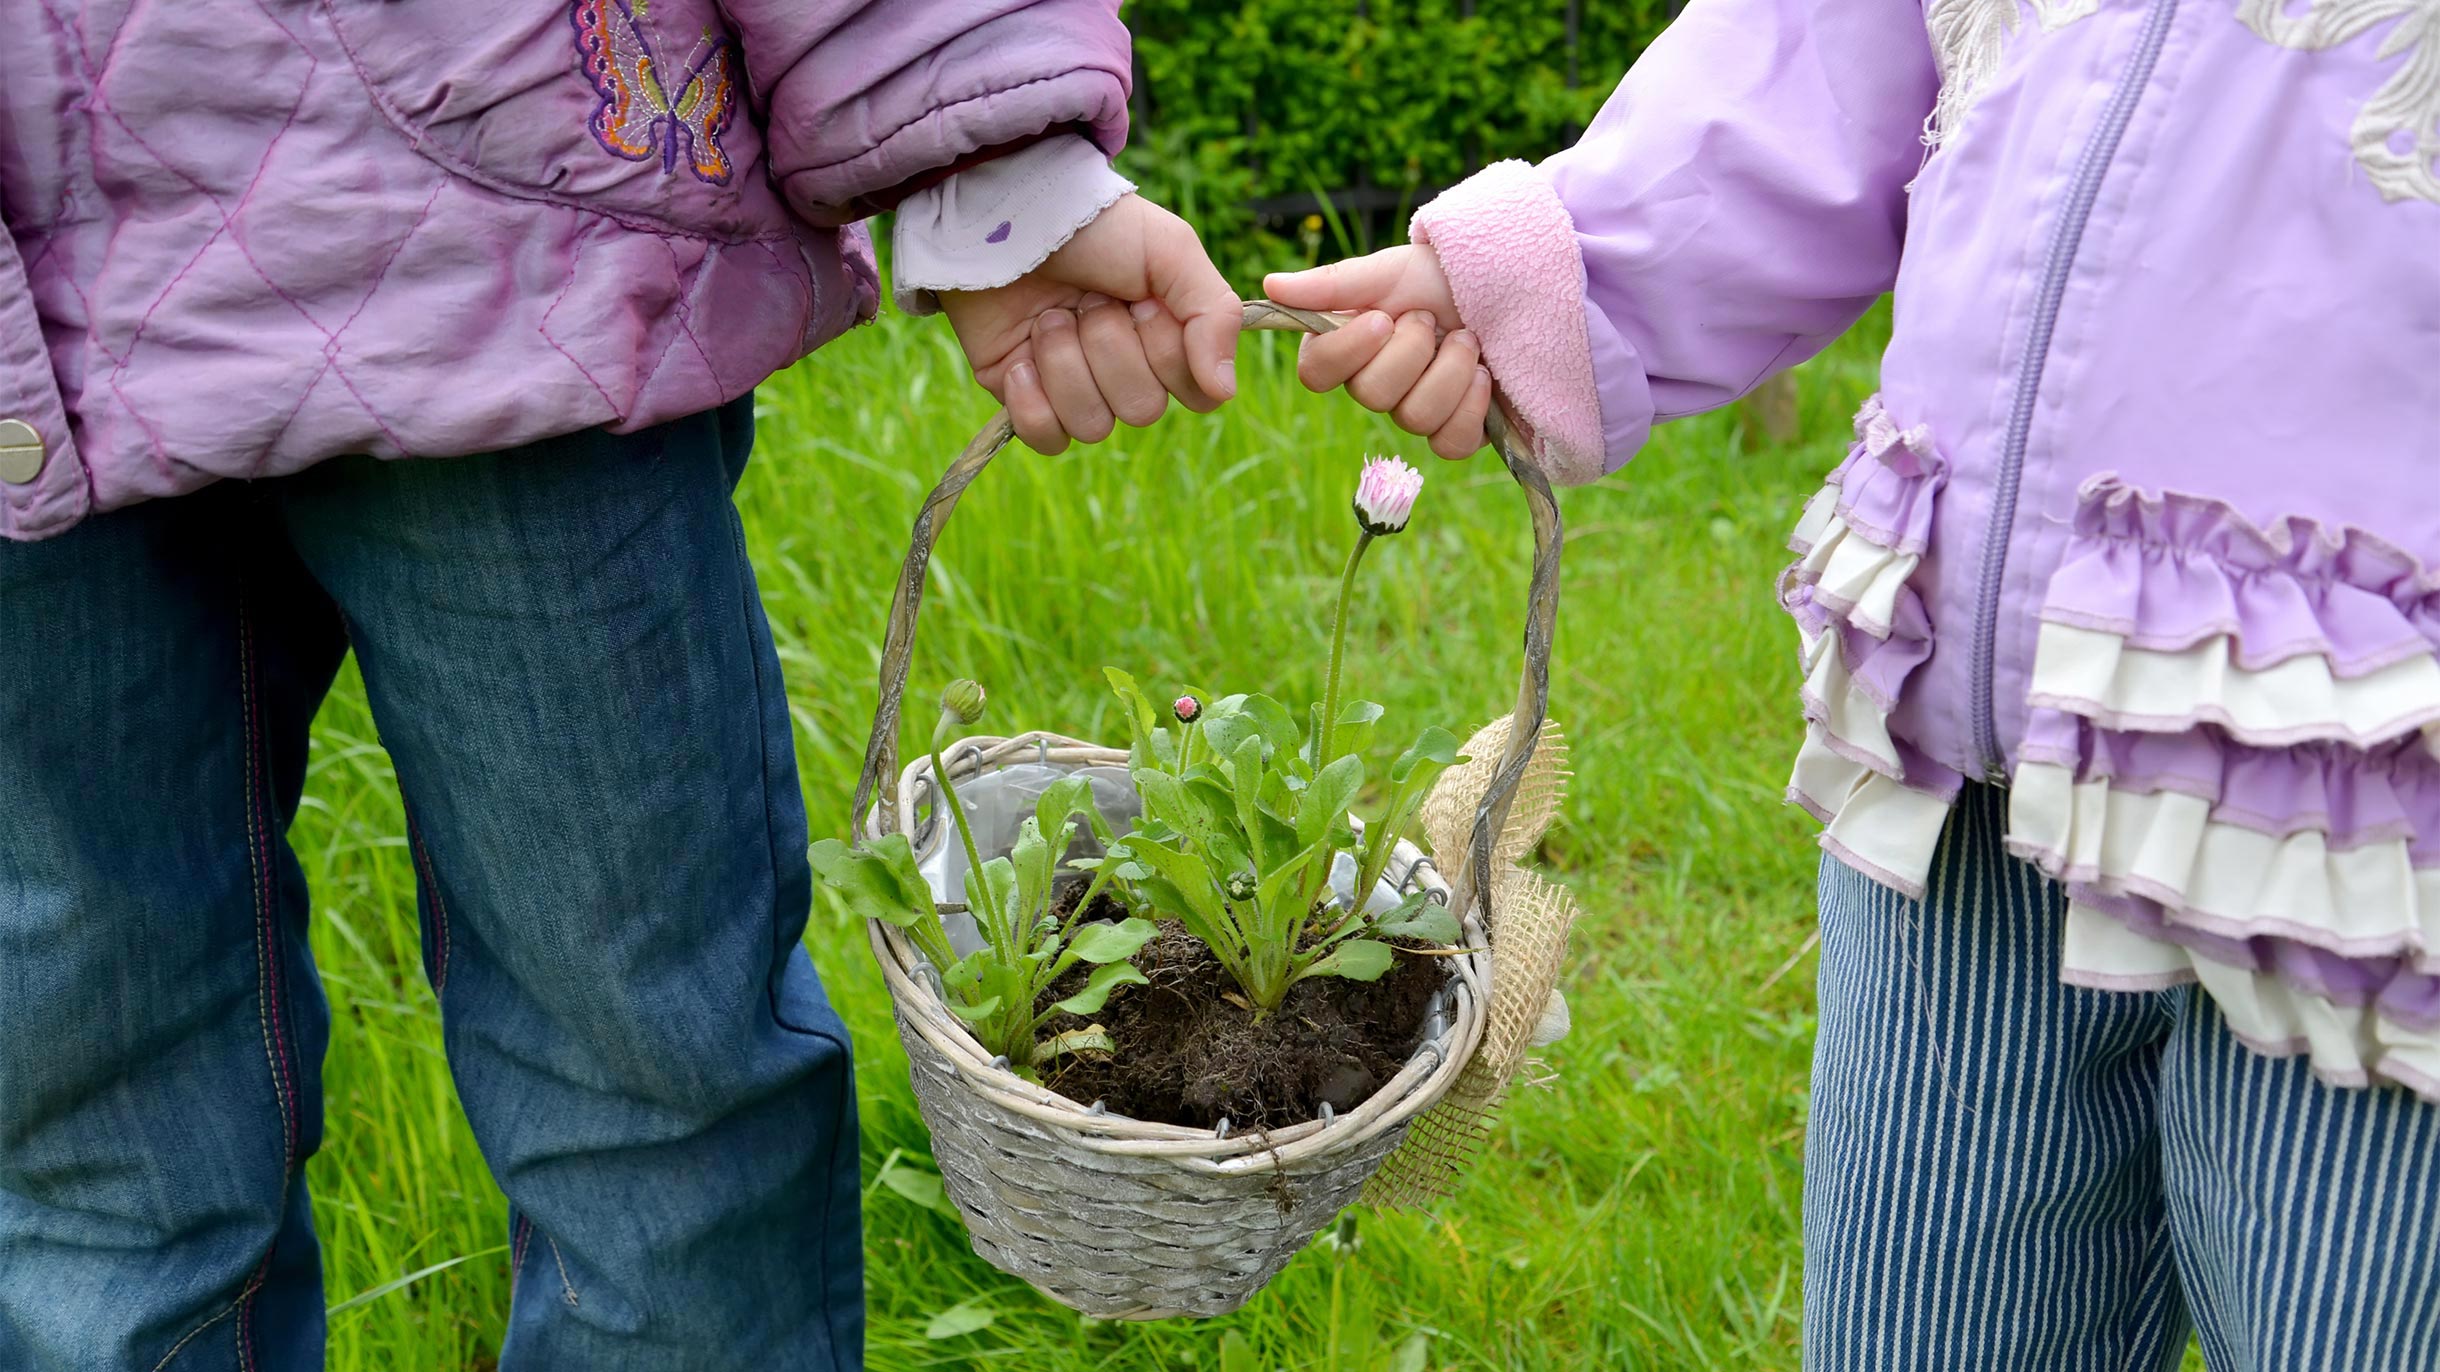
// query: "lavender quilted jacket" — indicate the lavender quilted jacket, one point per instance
point(247, 235)
point(2145, 521)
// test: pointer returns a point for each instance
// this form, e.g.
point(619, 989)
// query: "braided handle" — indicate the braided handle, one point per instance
point(1533, 692)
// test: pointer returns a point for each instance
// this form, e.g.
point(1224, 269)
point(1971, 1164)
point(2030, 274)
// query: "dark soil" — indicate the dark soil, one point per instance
point(1191, 1052)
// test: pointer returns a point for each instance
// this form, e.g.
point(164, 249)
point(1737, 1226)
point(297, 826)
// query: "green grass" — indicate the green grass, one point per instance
point(1640, 1212)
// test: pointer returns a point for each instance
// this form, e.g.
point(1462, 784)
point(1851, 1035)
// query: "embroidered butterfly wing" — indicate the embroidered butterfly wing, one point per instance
point(705, 105)
point(638, 118)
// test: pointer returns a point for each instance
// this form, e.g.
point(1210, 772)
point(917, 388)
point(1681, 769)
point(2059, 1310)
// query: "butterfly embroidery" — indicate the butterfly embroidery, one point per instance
point(644, 112)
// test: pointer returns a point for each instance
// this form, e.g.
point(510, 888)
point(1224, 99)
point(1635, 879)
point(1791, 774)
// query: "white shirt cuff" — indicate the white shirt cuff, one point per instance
point(988, 225)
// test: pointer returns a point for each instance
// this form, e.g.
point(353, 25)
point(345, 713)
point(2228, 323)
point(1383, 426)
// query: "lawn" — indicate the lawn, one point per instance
point(1639, 1211)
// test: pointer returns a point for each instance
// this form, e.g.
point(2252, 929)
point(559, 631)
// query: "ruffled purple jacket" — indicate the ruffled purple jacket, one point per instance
point(247, 235)
point(2146, 519)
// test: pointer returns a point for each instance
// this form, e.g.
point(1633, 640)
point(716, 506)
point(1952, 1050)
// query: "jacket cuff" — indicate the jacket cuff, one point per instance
point(988, 225)
point(1516, 274)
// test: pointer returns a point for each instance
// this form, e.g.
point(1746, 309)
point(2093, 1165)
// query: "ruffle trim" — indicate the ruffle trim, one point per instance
point(2104, 677)
point(2226, 879)
point(2230, 765)
point(2379, 1031)
point(1872, 822)
point(1864, 632)
point(2168, 611)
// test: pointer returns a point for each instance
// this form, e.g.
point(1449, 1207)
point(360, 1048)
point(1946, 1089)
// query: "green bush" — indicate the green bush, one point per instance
point(1240, 101)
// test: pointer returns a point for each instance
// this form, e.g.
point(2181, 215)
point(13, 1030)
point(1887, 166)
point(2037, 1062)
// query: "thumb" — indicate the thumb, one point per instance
point(1184, 280)
point(1358, 283)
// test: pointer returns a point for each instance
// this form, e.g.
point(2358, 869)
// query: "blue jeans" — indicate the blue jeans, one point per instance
point(2004, 1172)
point(570, 667)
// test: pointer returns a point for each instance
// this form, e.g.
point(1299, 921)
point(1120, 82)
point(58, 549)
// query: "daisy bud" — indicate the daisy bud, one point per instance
point(1187, 709)
point(963, 699)
point(1240, 886)
point(1385, 495)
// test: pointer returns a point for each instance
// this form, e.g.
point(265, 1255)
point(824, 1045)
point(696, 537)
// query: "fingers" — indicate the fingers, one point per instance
point(1029, 410)
point(1325, 362)
point(1183, 279)
point(1121, 370)
point(1164, 340)
point(1434, 398)
point(1359, 283)
point(1067, 378)
point(1462, 437)
point(1393, 371)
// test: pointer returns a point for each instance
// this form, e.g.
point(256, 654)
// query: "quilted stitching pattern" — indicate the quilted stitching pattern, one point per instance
point(187, 264)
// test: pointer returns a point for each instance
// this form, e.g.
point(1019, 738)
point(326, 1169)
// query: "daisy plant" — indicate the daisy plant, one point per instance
point(1246, 814)
point(1029, 941)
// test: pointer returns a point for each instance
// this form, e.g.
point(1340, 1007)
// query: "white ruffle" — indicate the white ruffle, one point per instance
point(1838, 704)
point(1873, 822)
point(1849, 572)
point(2100, 676)
point(2347, 1045)
point(2364, 901)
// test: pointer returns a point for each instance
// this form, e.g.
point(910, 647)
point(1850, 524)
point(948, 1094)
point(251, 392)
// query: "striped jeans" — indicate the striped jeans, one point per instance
point(2002, 1172)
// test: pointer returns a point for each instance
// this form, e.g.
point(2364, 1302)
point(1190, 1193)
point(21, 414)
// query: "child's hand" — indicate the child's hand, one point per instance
point(1065, 352)
point(1392, 357)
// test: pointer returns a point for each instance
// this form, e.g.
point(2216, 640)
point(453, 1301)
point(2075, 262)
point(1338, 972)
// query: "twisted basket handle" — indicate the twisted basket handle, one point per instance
point(1533, 694)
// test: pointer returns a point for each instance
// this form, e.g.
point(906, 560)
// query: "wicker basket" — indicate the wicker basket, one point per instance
point(1123, 1218)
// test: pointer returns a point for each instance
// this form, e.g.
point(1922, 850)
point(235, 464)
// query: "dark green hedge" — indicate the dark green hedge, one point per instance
point(1356, 108)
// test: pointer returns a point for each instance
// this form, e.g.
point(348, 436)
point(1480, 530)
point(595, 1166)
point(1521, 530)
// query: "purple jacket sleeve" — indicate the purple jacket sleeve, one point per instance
point(863, 97)
point(1739, 201)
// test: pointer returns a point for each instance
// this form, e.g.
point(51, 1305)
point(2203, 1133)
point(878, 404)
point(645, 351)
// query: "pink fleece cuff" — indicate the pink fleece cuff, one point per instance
point(1509, 249)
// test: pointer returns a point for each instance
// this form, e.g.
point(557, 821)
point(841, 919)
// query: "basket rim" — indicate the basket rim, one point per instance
point(1427, 1076)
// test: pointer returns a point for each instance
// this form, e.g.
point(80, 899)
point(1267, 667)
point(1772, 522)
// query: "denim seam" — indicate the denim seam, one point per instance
point(440, 909)
point(258, 850)
point(269, 1003)
point(567, 1287)
point(197, 1332)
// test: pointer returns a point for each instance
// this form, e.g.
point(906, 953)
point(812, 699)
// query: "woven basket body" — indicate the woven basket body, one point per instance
point(1121, 1218)
point(1127, 1219)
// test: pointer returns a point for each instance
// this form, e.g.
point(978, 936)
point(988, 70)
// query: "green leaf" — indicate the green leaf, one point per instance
point(1354, 733)
point(1236, 1355)
point(920, 1185)
point(1434, 745)
point(1412, 1354)
point(1105, 943)
point(879, 881)
point(1325, 802)
point(1358, 959)
point(1141, 719)
point(1272, 720)
point(998, 883)
point(1036, 864)
point(1063, 800)
point(1296, 874)
point(1097, 988)
point(1429, 922)
point(965, 1317)
point(1246, 781)
point(974, 1014)
point(1359, 712)
point(1181, 886)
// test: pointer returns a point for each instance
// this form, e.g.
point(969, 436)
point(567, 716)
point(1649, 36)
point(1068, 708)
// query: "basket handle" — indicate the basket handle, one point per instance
point(1541, 619)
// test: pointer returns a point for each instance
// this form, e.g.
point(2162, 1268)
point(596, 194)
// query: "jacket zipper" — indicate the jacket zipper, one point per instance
point(2091, 168)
